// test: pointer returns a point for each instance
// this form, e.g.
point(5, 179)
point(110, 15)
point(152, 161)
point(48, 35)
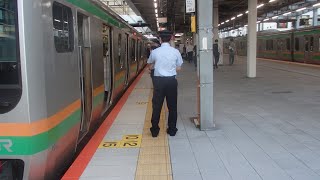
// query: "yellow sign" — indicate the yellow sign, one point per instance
point(193, 23)
point(128, 141)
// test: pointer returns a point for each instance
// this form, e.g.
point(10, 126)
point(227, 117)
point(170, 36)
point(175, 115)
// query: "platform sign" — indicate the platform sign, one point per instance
point(128, 141)
point(190, 6)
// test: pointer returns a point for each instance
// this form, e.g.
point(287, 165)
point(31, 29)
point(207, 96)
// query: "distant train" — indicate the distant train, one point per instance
point(63, 64)
point(301, 45)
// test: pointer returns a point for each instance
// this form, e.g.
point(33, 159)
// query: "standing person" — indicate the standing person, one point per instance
point(167, 61)
point(216, 53)
point(184, 53)
point(195, 55)
point(190, 52)
point(232, 49)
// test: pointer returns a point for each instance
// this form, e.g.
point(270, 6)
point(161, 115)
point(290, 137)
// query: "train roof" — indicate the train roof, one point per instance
point(112, 18)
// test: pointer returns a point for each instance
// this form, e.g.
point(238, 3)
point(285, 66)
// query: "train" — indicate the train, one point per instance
point(63, 65)
point(297, 45)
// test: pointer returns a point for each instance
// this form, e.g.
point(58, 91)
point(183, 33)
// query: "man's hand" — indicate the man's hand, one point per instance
point(178, 68)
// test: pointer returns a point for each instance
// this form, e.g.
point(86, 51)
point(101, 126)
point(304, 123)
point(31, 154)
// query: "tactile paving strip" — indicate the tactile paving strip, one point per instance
point(154, 158)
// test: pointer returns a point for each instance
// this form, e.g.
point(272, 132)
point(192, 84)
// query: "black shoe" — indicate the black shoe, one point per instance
point(154, 132)
point(172, 132)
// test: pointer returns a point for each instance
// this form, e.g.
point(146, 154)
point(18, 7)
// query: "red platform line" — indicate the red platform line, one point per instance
point(79, 165)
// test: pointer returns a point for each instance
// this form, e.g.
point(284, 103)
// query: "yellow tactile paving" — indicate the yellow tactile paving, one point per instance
point(154, 158)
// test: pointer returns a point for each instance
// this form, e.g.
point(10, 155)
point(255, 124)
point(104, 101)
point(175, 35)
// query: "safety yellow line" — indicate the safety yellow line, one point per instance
point(290, 62)
point(154, 158)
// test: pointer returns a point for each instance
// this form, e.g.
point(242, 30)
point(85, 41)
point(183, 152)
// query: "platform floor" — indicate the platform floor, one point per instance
point(267, 128)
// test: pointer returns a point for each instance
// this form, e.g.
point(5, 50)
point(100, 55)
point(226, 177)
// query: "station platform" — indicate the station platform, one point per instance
point(266, 128)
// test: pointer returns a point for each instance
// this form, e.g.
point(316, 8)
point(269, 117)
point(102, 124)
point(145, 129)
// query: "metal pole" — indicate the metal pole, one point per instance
point(252, 40)
point(205, 29)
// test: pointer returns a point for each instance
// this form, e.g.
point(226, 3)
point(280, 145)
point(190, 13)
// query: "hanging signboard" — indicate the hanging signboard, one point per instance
point(190, 6)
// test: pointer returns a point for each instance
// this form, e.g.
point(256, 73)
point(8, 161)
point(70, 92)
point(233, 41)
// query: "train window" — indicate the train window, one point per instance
point(296, 44)
point(133, 50)
point(62, 28)
point(119, 50)
point(10, 73)
point(311, 43)
point(288, 44)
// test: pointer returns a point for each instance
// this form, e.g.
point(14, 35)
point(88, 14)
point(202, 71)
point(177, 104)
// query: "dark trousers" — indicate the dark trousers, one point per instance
point(152, 76)
point(190, 56)
point(216, 59)
point(164, 87)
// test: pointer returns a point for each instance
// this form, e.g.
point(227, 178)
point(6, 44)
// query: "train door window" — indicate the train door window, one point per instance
point(62, 28)
point(10, 73)
point(288, 44)
point(133, 50)
point(306, 43)
point(296, 44)
point(311, 43)
point(119, 50)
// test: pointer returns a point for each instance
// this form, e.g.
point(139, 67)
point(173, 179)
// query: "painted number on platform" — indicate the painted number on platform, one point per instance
point(109, 145)
point(128, 141)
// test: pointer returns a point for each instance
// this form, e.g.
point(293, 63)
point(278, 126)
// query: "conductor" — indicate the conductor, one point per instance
point(167, 61)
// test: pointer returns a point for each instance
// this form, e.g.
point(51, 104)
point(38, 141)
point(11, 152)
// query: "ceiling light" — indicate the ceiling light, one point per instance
point(246, 25)
point(155, 0)
point(155, 5)
point(156, 15)
point(258, 22)
point(227, 20)
point(301, 9)
point(286, 13)
point(266, 19)
point(233, 18)
point(247, 12)
point(239, 15)
point(275, 17)
point(260, 6)
point(156, 11)
point(222, 23)
point(318, 4)
point(272, 0)
point(218, 25)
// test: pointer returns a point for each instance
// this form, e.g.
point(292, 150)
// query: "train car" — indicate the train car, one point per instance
point(294, 45)
point(63, 64)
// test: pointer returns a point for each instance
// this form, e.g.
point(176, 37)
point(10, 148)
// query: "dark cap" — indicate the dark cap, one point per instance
point(165, 33)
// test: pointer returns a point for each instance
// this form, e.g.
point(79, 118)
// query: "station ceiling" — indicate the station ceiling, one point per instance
point(179, 21)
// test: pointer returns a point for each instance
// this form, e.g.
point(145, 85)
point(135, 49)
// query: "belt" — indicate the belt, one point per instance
point(165, 77)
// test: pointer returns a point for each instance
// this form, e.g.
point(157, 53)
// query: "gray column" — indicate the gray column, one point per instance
point(205, 7)
point(315, 17)
point(252, 40)
point(297, 22)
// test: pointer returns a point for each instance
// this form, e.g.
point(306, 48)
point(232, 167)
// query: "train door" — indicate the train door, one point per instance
point(107, 63)
point(308, 52)
point(127, 61)
point(84, 56)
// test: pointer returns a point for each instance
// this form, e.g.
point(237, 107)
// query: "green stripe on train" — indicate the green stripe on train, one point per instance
point(93, 9)
point(29, 145)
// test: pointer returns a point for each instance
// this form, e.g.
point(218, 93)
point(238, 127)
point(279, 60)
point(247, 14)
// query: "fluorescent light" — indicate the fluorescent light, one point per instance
point(57, 20)
point(275, 17)
point(156, 15)
point(222, 23)
point(301, 9)
point(155, 5)
point(156, 10)
point(239, 15)
point(155, 0)
point(246, 25)
point(272, 0)
point(233, 18)
point(266, 19)
point(218, 25)
point(227, 20)
point(247, 12)
point(258, 22)
point(259, 6)
point(286, 13)
point(318, 4)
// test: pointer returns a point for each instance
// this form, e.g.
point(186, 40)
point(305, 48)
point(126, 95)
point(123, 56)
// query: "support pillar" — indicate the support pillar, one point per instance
point(252, 40)
point(205, 36)
point(215, 19)
point(315, 17)
point(297, 22)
